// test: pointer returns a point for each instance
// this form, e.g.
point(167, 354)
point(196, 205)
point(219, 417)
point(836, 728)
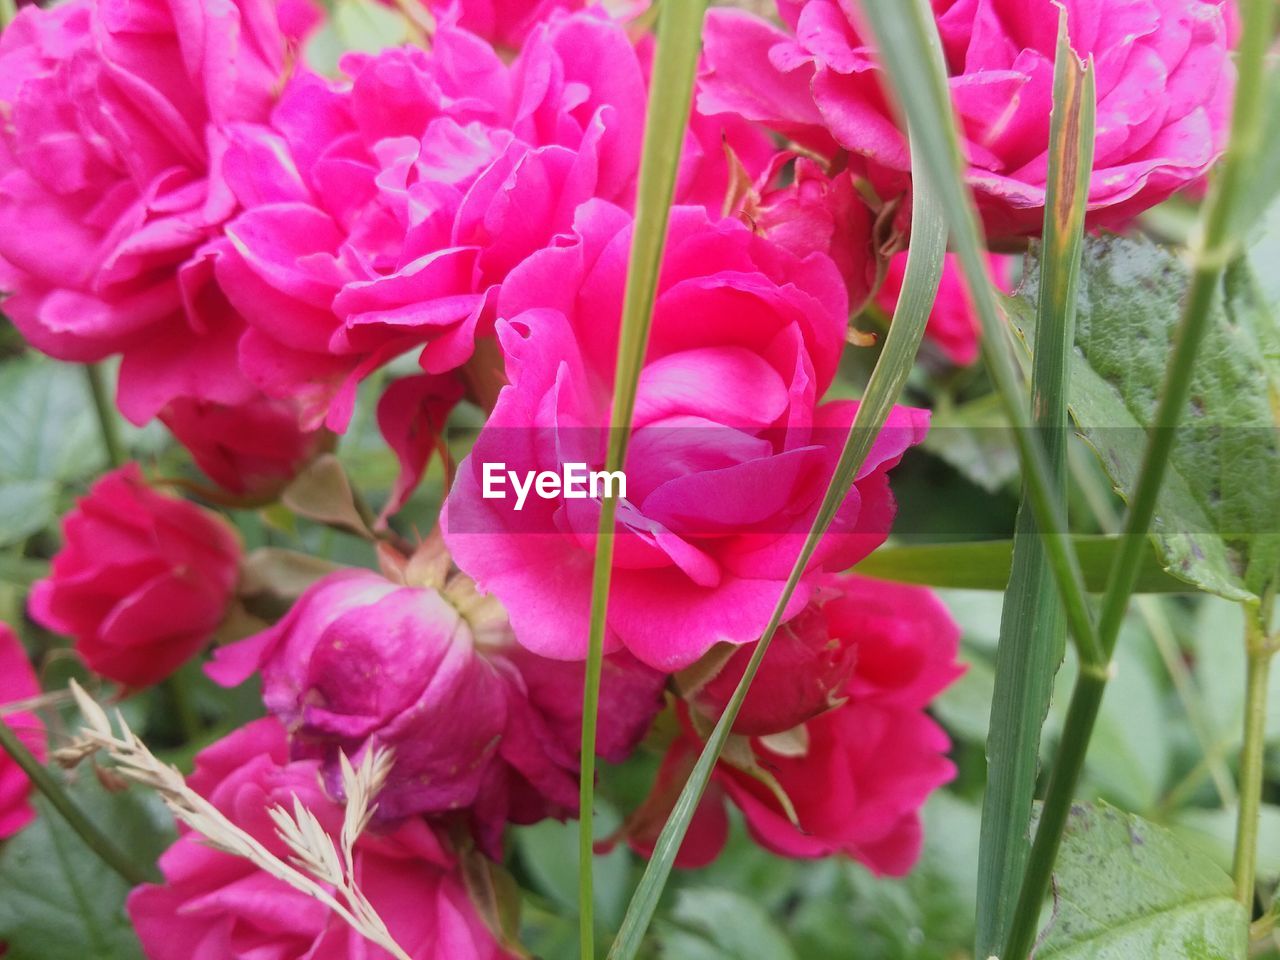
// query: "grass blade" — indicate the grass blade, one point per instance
point(920, 287)
point(1214, 247)
point(986, 565)
point(670, 96)
point(1033, 626)
point(910, 52)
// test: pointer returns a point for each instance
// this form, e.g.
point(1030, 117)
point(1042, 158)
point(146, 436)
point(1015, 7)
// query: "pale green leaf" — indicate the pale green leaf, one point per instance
point(722, 925)
point(1126, 888)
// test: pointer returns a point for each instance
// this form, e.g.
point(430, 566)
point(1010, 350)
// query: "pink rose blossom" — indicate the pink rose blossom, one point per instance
point(953, 324)
point(383, 213)
point(215, 905)
point(252, 450)
point(1164, 82)
point(110, 187)
point(17, 682)
point(731, 455)
point(856, 774)
point(476, 723)
point(817, 213)
point(142, 580)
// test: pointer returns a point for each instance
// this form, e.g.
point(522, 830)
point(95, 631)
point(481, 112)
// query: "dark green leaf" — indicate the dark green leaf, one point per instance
point(1218, 519)
point(58, 901)
point(1127, 888)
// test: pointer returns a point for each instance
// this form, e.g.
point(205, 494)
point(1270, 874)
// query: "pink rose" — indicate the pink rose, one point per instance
point(252, 450)
point(857, 775)
point(383, 213)
point(1164, 79)
point(142, 580)
point(817, 213)
point(17, 682)
point(110, 184)
point(476, 723)
point(213, 904)
point(731, 455)
point(953, 324)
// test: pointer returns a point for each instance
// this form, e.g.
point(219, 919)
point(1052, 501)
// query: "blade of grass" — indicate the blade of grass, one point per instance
point(1033, 626)
point(920, 287)
point(1212, 250)
point(909, 46)
point(670, 97)
point(986, 565)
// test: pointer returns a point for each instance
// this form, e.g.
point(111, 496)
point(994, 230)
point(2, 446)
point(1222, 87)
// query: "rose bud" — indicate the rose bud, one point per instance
point(433, 672)
point(142, 580)
point(252, 450)
point(17, 683)
point(847, 780)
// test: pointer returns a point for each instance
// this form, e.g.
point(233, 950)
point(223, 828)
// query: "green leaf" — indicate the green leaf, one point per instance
point(1218, 650)
point(926, 915)
point(1214, 832)
point(26, 507)
point(361, 25)
point(47, 437)
point(722, 925)
point(1127, 888)
point(1130, 752)
point(985, 565)
point(58, 901)
point(975, 439)
point(1218, 515)
point(548, 855)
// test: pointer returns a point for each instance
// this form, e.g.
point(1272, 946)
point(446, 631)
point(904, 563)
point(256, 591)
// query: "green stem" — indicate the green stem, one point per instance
point(108, 425)
point(8, 10)
point(1252, 756)
point(1211, 254)
point(94, 838)
point(183, 709)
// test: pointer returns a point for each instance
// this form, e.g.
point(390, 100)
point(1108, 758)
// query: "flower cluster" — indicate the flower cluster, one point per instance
point(256, 240)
